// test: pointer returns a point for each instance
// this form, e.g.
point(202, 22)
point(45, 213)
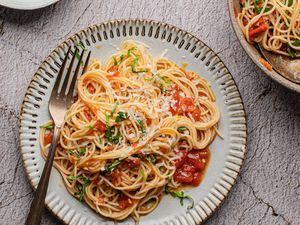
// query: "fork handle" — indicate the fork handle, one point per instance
point(38, 202)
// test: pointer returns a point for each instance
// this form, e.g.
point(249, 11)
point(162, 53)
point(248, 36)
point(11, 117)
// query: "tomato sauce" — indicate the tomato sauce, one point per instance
point(124, 201)
point(114, 70)
point(91, 89)
point(190, 167)
point(131, 163)
point(48, 138)
point(100, 126)
point(184, 105)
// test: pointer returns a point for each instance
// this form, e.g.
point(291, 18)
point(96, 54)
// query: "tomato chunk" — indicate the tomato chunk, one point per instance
point(100, 126)
point(184, 105)
point(190, 167)
point(179, 162)
point(183, 176)
point(187, 105)
point(134, 144)
point(174, 109)
point(196, 114)
point(48, 138)
point(194, 158)
point(91, 89)
point(257, 30)
point(196, 179)
point(124, 201)
point(114, 70)
point(132, 162)
point(115, 176)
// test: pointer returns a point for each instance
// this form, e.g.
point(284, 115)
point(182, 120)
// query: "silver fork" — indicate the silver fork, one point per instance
point(60, 100)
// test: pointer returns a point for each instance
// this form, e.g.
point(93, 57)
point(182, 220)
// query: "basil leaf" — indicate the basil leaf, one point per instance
point(151, 158)
point(121, 59)
point(115, 61)
point(140, 122)
point(291, 52)
point(111, 167)
point(135, 63)
point(74, 152)
point(180, 195)
point(77, 55)
point(109, 134)
point(130, 51)
point(49, 126)
point(181, 128)
point(85, 180)
point(80, 193)
point(82, 151)
point(296, 43)
point(121, 116)
point(164, 79)
point(163, 90)
point(290, 2)
point(92, 128)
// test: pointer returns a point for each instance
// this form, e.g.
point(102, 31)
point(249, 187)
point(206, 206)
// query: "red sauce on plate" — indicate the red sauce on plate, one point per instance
point(190, 168)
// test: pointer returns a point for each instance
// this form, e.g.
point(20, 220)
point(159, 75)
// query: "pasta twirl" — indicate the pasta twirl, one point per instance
point(141, 127)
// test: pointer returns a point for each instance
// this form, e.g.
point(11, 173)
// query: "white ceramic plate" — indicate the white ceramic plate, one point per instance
point(226, 155)
point(26, 4)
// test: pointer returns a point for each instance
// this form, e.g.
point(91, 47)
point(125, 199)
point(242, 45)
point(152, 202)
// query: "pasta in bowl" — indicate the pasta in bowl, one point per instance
point(140, 127)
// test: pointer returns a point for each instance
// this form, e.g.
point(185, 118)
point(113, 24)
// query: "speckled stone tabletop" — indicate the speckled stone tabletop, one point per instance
point(268, 189)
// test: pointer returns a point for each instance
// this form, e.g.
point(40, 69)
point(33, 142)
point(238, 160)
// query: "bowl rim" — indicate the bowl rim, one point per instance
point(241, 38)
point(32, 6)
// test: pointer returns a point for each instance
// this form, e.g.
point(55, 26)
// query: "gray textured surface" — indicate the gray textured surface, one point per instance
point(268, 190)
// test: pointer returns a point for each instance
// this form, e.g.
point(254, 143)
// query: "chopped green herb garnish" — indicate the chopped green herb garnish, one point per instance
point(136, 156)
point(163, 90)
point(81, 187)
point(115, 61)
point(182, 128)
point(84, 179)
point(77, 55)
point(134, 65)
point(100, 141)
point(112, 166)
point(164, 79)
point(92, 128)
point(121, 116)
point(110, 133)
point(49, 126)
point(149, 79)
point(130, 51)
point(290, 2)
point(140, 122)
point(114, 109)
point(80, 193)
point(296, 43)
point(82, 151)
point(180, 195)
point(151, 158)
point(121, 59)
point(73, 152)
point(291, 52)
